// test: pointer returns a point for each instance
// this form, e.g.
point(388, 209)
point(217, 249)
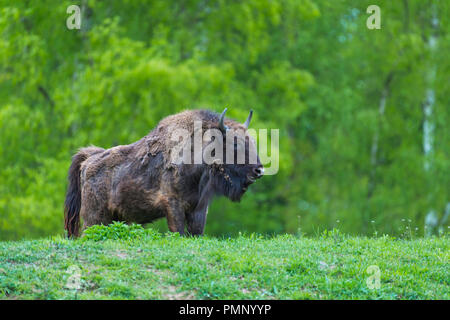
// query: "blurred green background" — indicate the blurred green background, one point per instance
point(363, 114)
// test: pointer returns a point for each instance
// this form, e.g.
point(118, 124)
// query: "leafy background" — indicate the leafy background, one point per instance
point(349, 102)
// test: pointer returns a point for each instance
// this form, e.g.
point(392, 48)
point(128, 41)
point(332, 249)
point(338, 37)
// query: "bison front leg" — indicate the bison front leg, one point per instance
point(196, 221)
point(175, 218)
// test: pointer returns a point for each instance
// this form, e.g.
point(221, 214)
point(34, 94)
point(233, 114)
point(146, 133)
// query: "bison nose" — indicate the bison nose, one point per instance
point(258, 171)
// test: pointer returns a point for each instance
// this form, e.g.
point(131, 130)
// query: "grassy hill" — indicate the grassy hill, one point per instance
point(129, 262)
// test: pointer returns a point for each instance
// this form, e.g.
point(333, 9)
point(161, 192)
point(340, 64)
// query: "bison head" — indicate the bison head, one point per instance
point(239, 165)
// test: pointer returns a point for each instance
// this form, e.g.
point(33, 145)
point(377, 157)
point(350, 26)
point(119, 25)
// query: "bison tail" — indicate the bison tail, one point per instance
point(72, 204)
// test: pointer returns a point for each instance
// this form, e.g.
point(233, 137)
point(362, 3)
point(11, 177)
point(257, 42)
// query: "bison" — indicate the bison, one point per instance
point(140, 182)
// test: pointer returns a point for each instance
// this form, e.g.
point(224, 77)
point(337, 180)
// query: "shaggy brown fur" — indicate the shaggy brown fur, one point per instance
point(139, 183)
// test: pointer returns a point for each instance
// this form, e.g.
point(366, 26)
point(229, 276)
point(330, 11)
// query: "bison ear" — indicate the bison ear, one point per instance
point(222, 126)
point(249, 118)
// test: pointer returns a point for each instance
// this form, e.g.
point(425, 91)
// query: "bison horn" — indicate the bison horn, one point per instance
point(222, 126)
point(247, 122)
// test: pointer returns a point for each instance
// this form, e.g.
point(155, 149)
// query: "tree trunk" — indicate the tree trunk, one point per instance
point(431, 219)
point(376, 136)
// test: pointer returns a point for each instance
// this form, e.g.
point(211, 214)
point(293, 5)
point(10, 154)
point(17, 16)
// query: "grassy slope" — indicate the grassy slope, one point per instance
point(170, 267)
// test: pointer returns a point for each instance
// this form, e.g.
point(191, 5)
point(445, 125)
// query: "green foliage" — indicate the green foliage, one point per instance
point(310, 68)
point(118, 231)
point(332, 266)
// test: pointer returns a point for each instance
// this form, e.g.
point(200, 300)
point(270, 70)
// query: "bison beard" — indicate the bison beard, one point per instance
point(139, 183)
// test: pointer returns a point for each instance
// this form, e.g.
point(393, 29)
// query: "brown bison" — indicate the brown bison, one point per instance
point(140, 182)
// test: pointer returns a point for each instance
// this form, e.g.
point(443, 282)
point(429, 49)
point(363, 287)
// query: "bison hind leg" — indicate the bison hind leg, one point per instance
point(94, 212)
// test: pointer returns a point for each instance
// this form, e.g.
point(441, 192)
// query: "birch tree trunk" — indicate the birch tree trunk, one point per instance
point(376, 136)
point(431, 219)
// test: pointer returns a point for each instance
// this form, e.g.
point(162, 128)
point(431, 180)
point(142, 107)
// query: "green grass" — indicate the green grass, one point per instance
point(129, 262)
